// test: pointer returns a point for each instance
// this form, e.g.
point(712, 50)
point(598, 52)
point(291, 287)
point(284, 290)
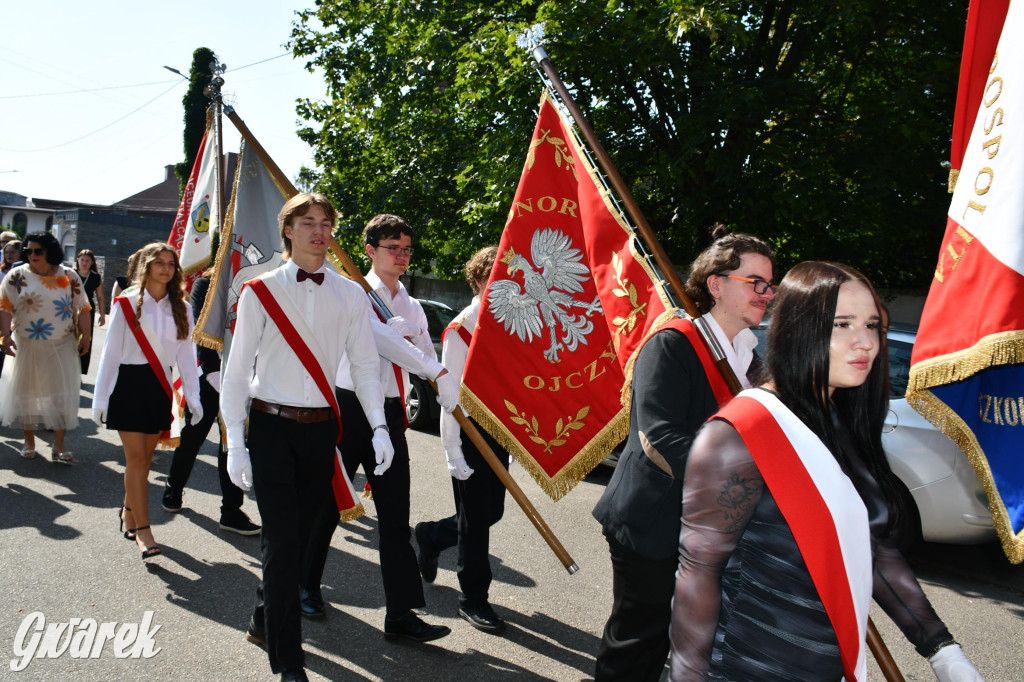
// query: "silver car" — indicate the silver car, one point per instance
point(951, 503)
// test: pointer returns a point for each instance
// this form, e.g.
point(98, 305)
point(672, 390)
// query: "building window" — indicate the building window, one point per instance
point(49, 224)
point(20, 223)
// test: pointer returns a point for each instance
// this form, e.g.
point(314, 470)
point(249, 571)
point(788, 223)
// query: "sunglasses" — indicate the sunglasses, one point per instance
point(36, 252)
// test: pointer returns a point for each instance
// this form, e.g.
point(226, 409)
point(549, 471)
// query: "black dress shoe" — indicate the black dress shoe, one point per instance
point(297, 675)
point(172, 499)
point(482, 617)
point(410, 626)
point(256, 634)
point(312, 604)
point(426, 557)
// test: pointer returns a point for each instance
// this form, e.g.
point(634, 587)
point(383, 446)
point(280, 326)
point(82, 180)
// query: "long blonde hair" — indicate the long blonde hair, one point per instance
point(175, 288)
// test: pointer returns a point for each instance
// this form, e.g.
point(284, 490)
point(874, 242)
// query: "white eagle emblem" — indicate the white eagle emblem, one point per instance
point(543, 300)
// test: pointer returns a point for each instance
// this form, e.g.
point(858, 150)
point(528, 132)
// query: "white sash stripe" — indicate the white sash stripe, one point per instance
point(849, 515)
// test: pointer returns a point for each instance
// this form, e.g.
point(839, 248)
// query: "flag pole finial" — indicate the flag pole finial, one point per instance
point(532, 38)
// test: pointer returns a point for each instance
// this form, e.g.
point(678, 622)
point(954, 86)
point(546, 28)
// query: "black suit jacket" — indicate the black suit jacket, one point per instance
point(642, 506)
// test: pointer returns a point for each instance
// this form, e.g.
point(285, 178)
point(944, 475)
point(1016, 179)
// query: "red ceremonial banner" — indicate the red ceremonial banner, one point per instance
point(567, 304)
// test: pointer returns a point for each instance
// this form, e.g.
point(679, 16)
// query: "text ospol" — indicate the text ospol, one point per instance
point(81, 638)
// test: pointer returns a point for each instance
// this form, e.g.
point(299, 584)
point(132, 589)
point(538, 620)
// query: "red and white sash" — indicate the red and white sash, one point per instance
point(300, 337)
point(826, 515)
point(151, 347)
point(719, 388)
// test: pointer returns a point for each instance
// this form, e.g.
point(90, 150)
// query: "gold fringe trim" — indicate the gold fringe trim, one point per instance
point(954, 175)
point(199, 336)
point(626, 396)
point(1004, 348)
point(353, 513)
point(574, 471)
point(949, 422)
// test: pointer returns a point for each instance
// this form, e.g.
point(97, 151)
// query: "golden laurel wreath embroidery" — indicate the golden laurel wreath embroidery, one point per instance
point(562, 152)
point(563, 428)
point(624, 325)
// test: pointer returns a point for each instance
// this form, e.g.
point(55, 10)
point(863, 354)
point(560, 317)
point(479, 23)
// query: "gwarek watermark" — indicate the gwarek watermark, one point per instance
point(82, 638)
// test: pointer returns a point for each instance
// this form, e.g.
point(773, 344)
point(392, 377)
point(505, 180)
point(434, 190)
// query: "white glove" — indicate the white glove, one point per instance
point(99, 415)
point(459, 469)
point(213, 378)
point(240, 468)
point(950, 664)
point(404, 327)
point(197, 414)
point(447, 391)
point(383, 451)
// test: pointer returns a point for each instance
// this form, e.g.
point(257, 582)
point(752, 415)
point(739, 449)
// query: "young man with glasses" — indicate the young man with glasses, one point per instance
point(388, 243)
point(675, 389)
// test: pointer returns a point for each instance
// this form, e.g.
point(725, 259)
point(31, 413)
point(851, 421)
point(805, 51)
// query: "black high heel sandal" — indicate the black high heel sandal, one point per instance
point(128, 534)
point(149, 551)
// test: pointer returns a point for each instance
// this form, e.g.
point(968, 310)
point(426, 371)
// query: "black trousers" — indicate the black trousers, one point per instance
point(292, 465)
point(635, 643)
point(192, 438)
point(403, 589)
point(479, 504)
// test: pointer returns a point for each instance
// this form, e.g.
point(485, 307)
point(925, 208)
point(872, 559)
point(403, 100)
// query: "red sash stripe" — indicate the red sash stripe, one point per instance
point(801, 504)
point(343, 493)
point(148, 351)
point(398, 378)
point(718, 386)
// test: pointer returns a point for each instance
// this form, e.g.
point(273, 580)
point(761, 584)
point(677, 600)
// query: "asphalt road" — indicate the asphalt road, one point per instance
point(61, 555)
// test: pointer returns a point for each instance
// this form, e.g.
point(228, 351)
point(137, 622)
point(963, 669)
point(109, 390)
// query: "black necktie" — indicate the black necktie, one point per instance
point(302, 275)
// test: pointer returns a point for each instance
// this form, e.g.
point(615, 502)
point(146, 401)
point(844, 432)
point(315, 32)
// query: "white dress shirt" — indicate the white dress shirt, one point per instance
point(262, 365)
point(121, 348)
point(454, 352)
point(739, 353)
point(418, 357)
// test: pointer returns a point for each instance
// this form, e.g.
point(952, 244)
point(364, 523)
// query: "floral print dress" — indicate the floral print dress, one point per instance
point(38, 387)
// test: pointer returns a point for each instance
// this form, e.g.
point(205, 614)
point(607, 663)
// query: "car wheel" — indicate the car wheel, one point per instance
point(417, 407)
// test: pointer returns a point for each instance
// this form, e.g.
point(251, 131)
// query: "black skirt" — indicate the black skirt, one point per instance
point(138, 402)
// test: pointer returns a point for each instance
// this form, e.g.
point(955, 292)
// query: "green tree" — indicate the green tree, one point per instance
point(822, 126)
point(195, 104)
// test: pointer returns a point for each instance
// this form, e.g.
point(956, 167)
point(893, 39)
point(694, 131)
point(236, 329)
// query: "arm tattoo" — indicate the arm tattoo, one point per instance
point(737, 499)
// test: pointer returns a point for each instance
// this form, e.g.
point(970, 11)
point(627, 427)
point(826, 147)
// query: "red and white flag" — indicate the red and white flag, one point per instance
point(199, 213)
point(567, 304)
point(967, 366)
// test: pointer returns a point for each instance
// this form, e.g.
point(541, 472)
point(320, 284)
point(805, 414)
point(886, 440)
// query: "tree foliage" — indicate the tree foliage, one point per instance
point(195, 104)
point(821, 126)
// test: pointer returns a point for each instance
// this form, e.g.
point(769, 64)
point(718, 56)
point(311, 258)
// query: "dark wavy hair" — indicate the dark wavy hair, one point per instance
point(54, 254)
point(723, 255)
point(385, 226)
point(798, 363)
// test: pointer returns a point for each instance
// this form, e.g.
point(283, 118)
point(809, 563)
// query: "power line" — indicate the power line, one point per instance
point(122, 87)
point(74, 92)
point(64, 144)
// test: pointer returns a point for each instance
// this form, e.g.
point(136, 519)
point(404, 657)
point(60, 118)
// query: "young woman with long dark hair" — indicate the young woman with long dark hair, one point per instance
point(790, 508)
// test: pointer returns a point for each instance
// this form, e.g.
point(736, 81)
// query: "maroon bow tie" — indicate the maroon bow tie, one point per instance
point(302, 276)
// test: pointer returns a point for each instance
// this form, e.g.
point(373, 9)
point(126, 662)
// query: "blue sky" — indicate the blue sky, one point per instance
point(98, 142)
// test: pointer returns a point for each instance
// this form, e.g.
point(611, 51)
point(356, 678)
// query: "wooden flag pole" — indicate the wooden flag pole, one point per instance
point(874, 640)
point(468, 426)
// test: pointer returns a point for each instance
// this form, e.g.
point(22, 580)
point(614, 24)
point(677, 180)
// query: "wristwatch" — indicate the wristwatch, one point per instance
point(382, 426)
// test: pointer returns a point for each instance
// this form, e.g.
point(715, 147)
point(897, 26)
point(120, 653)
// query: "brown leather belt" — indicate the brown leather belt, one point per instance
point(303, 415)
